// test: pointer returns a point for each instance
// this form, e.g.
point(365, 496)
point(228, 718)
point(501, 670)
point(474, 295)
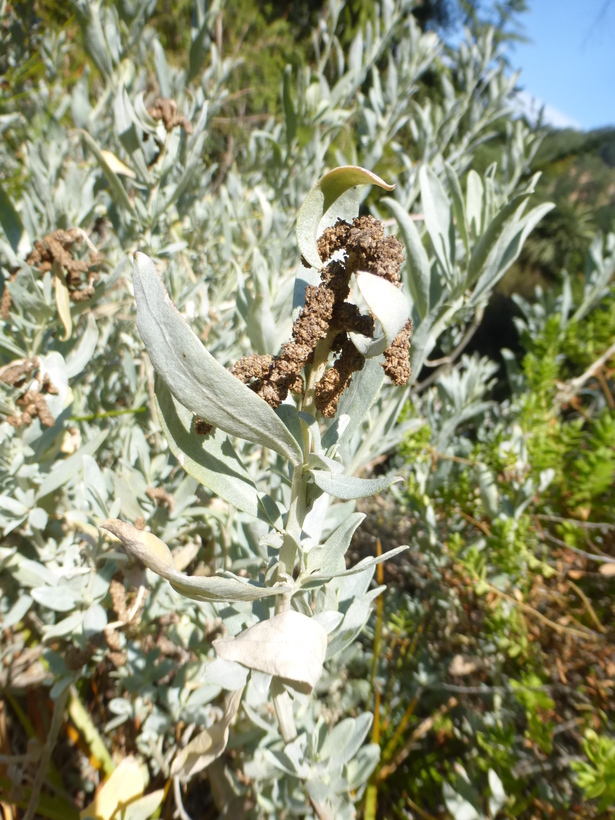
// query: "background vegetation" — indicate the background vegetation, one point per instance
point(489, 661)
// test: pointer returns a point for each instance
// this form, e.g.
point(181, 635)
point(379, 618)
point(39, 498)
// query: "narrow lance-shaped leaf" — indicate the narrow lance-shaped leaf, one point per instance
point(507, 248)
point(474, 203)
point(330, 555)
point(62, 300)
point(320, 578)
point(348, 487)
point(356, 402)
point(118, 192)
point(194, 377)
point(512, 210)
point(417, 262)
point(289, 646)
point(458, 206)
point(11, 224)
point(290, 114)
point(116, 165)
point(438, 218)
point(320, 199)
point(155, 554)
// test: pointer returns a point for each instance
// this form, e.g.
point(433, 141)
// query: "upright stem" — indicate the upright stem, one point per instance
point(319, 363)
point(292, 534)
point(282, 702)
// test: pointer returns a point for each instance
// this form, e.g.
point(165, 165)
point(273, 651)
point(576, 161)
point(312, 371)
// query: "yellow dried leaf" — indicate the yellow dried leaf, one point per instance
point(63, 300)
point(116, 165)
point(123, 786)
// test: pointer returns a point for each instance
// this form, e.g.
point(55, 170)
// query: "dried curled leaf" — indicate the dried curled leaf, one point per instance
point(155, 554)
point(389, 305)
point(206, 747)
point(121, 791)
point(116, 165)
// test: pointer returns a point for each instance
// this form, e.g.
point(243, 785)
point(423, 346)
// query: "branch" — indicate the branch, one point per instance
point(571, 388)
point(46, 752)
point(445, 363)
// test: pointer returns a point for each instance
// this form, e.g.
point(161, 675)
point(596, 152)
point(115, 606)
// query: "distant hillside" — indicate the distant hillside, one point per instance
point(578, 174)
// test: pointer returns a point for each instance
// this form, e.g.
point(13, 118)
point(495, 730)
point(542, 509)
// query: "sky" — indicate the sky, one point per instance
point(569, 62)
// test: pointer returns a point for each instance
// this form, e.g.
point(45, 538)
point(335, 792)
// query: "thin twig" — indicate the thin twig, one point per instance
point(28, 757)
point(531, 611)
point(457, 459)
point(478, 317)
point(480, 525)
point(421, 730)
point(589, 525)
point(604, 559)
point(571, 388)
point(177, 793)
point(605, 389)
point(588, 605)
point(421, 813)
point(46, 752)
point(444, 370)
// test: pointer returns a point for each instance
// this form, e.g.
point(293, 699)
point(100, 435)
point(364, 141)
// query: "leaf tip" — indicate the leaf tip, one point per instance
point(145, 546)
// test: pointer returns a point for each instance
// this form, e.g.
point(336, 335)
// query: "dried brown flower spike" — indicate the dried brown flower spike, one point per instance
point(329, 323)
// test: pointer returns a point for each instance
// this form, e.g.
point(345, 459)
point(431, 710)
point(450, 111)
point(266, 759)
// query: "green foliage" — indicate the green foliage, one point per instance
point(597, 776)
point(495, 496)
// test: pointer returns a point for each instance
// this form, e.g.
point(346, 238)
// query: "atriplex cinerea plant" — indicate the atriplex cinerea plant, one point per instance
point(351, 321)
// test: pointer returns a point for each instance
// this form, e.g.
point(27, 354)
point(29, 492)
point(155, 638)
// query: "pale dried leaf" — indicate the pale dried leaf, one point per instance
point(63, 300)
point(389, 305)
point(209, 745)
point(147, 547)
point(116, 165)
point(290, 646)
point(156, 556)
point(462, 665)
point(328, 190)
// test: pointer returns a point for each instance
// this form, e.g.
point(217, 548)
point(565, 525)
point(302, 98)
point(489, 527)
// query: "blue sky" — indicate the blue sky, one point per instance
point(569, 63)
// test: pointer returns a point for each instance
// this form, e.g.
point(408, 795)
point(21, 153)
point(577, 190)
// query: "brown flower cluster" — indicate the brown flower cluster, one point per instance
point(32, 400)
point(81, 274)
point(60, 247)
point(328, 317)
point(166, 110)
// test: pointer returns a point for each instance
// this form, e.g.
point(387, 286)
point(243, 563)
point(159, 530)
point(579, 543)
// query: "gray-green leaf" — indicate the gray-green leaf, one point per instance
point(194, 377)
point(417, 263)
point(347, 486)
point(213, 461)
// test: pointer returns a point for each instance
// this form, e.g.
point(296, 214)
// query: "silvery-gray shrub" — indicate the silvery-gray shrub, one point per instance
point(230, 262)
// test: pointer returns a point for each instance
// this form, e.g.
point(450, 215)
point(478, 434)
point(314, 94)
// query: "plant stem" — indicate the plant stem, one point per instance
point(288, 555)
point(321, 355)
point(294, 526)
point(283, 706)
point(46, 751)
